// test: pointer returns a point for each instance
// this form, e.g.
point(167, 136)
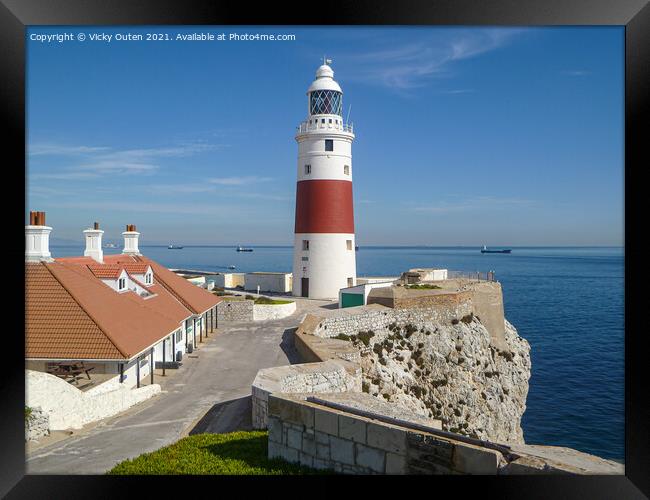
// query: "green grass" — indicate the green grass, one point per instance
point(28, 413)
point(235, 453)
point(271, 302)
point(423, 287)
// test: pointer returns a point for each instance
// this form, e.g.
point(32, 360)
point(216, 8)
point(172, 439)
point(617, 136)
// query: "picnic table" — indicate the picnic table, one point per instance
point(69, 370)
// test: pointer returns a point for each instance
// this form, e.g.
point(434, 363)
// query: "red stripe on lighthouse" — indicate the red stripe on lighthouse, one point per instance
point(324, 206)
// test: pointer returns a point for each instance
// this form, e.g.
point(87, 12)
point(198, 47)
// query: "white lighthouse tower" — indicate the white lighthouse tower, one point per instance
point(324, 247)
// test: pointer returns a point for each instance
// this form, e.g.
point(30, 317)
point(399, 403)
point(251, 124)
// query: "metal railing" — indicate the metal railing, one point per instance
point(307, 127)
point(472, 275)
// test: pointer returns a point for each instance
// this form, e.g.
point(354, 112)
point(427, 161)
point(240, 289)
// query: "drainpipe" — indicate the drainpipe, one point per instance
point(194, 331)
point(121, 373)
point(137, 370)
point(151, 365)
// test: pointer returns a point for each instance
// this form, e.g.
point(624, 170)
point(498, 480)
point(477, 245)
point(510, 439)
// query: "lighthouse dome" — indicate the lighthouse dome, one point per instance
point(324, 80)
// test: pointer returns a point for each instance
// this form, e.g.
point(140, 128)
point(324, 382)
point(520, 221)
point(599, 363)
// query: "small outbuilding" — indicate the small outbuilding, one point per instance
point(269, 282)
point(358, 295)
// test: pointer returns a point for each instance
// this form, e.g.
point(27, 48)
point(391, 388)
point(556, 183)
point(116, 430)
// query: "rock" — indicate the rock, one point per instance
point(456, 375)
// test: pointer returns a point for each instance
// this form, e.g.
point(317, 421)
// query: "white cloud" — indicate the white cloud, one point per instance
point(472, 204)
point(238, 181)
point(90, 162)
point(414, 65)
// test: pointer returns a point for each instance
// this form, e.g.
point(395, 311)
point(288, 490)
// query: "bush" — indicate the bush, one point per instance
point(454, 321)
point(28, 413)
point(365, 337)
point(241, 453)
point(365, 387)
point(342, 336)
point(467, 319)
point(271, 302)
point(423, 287)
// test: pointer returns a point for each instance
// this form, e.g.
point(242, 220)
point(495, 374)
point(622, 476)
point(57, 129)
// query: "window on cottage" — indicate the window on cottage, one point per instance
point(305, 244)
point(348, 244)
point(121, 284)
point(346, 169)
point(307, 169)
point(329, 145)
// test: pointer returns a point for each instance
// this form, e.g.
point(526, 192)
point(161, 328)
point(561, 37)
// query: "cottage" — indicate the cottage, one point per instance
point(120, 315)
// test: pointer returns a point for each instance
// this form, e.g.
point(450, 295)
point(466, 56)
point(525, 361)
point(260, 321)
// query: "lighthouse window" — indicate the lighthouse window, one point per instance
point(330, 120)
point(346, 169)
point(325, 102)
point(307, 169)
point(305, 244)
point(329, 145)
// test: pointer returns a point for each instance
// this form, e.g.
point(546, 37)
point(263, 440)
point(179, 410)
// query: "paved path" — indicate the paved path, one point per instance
point(209, 393)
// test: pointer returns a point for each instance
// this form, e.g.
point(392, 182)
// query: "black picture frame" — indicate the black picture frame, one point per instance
point(15, 15)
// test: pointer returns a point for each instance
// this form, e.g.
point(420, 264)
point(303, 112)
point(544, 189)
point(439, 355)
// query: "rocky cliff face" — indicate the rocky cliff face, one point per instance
point(451, 372)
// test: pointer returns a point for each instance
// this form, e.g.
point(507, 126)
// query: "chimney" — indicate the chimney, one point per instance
point(37, 239)
point(131, 240)
point(94, 243)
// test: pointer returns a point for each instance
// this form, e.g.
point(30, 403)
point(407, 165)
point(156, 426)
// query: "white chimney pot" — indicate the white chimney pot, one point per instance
point(37, 244)
point(94, 244)
point(131, 243)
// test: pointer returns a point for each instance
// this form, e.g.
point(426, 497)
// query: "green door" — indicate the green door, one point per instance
point(351, 299)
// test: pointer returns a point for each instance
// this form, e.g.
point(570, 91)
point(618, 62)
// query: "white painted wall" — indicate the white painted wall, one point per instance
point(430, 274)
point(229, 280)
point(268, 282)
point(329, 266)
point(263, 312)
point(68, 407)
point(325, 164)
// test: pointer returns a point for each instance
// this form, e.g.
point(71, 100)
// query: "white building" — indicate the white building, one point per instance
point(324, 258)
point(268, 282)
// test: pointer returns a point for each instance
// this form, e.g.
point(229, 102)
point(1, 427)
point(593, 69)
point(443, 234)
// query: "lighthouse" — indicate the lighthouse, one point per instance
point(324, 247)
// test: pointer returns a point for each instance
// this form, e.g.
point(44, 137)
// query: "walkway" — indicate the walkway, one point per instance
point(210, 393)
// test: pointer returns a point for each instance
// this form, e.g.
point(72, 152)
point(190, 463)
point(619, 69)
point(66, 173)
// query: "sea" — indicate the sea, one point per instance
point(568, 302)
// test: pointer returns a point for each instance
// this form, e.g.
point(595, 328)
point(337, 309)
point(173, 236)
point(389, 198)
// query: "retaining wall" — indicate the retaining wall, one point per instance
point(318, 436)
point(68, 407)
point(234, 310)
point(328, 376)
point(37, 425)
point(263, 312)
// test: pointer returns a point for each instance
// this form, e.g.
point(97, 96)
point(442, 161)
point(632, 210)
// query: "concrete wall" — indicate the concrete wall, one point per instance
point(234, 310)
point(263, 312)
point(268, 282)
point(37, 425)
point(228, 280)
point(322, 437)
point(68, 407)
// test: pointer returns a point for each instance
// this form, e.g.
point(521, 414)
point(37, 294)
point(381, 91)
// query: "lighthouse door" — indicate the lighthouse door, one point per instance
point(304, 287)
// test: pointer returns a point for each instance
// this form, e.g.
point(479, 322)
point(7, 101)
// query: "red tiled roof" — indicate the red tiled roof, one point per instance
point(71, 314)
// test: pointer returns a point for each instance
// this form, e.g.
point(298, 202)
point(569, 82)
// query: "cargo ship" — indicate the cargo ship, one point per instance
point(485, 250)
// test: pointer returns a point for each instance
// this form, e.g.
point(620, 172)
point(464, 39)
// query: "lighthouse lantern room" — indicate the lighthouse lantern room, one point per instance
point(324, 247)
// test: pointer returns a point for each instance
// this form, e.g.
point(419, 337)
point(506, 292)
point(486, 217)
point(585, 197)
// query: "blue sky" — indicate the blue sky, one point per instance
point(464, 136)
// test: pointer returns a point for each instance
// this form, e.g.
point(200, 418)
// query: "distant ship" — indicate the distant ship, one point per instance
point(110, 245)
point(242, 249)
point(231, 267)
point(485, 250)
point(174, 247)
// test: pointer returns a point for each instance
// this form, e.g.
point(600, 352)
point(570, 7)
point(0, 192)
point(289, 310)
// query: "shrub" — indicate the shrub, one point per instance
point(423, 287)
point(342, 336)
point(386, 396)
point(467, 319)
point(454, 321)
point(28, 413)
point(365, 387)
point(382, 361)
point(377, 349)
point(365, 337)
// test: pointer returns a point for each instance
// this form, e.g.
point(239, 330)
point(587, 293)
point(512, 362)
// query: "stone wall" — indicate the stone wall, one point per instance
point(68, 407)
point(327, 376)
point(352, 320)
point(37, 425)
point(262, 312)
point(318, 436)
point(234, 310)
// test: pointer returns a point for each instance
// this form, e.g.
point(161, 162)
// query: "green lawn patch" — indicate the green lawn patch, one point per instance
point(423, 287)
point(238, 453)
point(271, 302)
